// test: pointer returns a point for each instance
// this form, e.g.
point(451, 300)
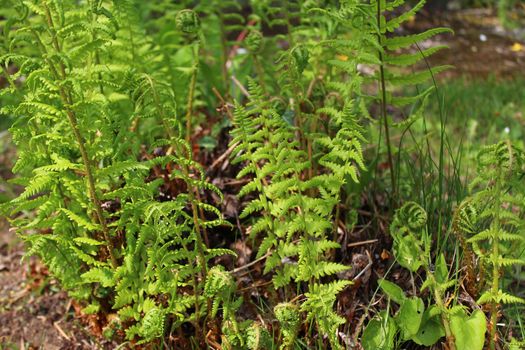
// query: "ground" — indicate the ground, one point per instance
point(34, 313)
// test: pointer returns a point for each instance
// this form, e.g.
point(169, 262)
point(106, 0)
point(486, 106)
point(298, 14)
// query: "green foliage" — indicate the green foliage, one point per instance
point(97, 220)
point(411, 241)
point(469, 332)
point(380, 333)
point(296, 214)
point(187, 21)
point(320, 298)
point(375, 43)
point(254, 41)
point(431, 328)
point(115, 105)
point(412, 248)
point(258, 338)
point(491, 219)
point(408, 319)
point(289, 320)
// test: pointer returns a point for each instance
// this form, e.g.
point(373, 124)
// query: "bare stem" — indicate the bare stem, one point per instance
point(191, 94)
point(260, 72)
point(384, 114)
point(496, 266)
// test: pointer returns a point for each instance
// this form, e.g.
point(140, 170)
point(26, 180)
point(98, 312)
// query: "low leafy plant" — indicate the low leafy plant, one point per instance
point(412, 246)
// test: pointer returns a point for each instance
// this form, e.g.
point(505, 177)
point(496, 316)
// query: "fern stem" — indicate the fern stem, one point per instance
point(260, 72)
point(72, 119)
point(97, 55)
point(224, 53)
point(200, 252)
point(191, 94)
point(8, 77)
point(384, 114)
point(192, 191)
point(301, 133)
point(288, 26)
point(336, 222)
point(159, 107)
point(91, 181)
point(171, 134)
point(199, 244)
point(451, 343)
point(495, 264)
point(196, 292)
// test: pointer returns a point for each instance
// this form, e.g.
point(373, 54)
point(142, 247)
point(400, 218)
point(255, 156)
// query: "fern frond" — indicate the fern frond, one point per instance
point(400, 42)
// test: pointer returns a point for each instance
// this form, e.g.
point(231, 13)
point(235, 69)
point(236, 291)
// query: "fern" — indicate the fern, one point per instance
point(108, 99)
point(412, 247)
point(489, 219)
point(78, 133)
point(289, 320)
point(328, 321)
point(295, 214)
point(373, 45)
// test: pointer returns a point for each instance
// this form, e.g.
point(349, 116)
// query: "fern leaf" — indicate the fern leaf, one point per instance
point(400, 42)
point(80, 221)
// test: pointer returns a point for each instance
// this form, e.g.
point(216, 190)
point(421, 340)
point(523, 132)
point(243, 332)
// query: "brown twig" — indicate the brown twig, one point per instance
point(61, 331)
point(240, 86)
point(240, 268)
point(356, 244)
point(224, 156)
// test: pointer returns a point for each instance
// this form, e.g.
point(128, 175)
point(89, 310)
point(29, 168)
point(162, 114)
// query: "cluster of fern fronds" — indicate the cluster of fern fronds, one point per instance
point(120, 226)
point(112, 103)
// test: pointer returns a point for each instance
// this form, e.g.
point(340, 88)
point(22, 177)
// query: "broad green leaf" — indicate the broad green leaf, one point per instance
point(441, 270)
point(469, 332)
point(409, 317)
point(379, 334)
point(431, 328)
point(393, 291)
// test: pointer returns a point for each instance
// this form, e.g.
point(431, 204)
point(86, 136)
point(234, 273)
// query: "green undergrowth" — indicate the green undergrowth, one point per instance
point(477, 113)
point(484, 109)
point(212, 174)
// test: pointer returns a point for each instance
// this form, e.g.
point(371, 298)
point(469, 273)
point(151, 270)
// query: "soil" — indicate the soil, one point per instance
point(480, 46)
point(34, 313)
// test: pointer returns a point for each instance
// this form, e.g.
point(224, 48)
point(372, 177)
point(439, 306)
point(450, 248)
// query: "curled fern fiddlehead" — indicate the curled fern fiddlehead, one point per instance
point(409, 232)
point(464, 225)
point(254, 41)
point(187, 21)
